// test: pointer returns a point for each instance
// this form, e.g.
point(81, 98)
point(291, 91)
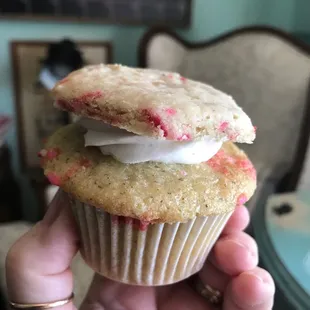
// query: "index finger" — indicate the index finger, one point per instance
point(238, 221)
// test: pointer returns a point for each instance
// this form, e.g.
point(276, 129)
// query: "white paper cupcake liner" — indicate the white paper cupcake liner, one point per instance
point(132, 252)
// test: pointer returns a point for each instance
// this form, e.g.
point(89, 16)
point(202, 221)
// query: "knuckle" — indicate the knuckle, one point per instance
point(89, 304)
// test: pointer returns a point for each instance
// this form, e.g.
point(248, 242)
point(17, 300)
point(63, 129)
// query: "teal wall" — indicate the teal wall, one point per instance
point(302, 14)
point(210, 18)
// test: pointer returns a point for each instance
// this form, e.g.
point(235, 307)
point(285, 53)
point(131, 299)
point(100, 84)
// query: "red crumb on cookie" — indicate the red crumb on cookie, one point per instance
point(53, 153)
point(78, 103)
point(114, 219)
point(135, 223)
point(223, 126)
point(143, 225)
point(247, 167)
point(54, 179)
point(48, 154)
point(71, 172)
point(224, 163)
point(241, 200)
point(64, 105)
point(184, 137)
point(171, 111)
point(83, 162)
point(233, 136)
point(155, 120)
point(128, 220)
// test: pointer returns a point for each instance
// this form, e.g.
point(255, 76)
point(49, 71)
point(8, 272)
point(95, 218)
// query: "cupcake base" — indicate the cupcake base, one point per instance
point(134, 252)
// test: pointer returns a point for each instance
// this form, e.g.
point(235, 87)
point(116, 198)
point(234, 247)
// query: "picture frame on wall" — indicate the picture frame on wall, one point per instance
point(36, 117)
point(175, 13)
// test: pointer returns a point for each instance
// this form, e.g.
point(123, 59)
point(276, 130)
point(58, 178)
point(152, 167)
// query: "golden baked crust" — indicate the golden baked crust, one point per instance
point(149, 191)
point(153, 103)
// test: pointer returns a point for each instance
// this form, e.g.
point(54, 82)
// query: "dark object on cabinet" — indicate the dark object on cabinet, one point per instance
point(10, 200)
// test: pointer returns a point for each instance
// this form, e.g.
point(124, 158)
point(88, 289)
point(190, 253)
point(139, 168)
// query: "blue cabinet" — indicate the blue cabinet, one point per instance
point(281, 228)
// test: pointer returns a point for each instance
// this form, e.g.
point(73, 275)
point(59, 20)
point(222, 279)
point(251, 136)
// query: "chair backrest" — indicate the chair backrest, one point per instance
point(267, 72)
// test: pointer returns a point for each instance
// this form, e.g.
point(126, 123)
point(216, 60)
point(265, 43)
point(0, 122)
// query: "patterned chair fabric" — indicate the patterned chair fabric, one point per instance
point(264, 70)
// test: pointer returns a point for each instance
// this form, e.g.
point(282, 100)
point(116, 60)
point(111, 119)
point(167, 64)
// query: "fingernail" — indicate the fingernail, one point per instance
point(53, 210)
point(261, 291)
point(266, 281)
point(252, 274)
point(239, 244)
point(233, 241)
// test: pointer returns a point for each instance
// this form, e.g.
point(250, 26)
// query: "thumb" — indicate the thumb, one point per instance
point(38, 264)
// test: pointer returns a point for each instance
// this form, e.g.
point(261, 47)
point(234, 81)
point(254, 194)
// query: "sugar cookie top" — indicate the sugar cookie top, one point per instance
point(153, 103)
point(151, 191)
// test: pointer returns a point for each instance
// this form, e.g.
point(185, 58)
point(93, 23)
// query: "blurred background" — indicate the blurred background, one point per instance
point(256, 50)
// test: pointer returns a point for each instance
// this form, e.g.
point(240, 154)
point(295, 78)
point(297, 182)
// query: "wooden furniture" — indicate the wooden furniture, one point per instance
point(36, 117)
point(267, 72)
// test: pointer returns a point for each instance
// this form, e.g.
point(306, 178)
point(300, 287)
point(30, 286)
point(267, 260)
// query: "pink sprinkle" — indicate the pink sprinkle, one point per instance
point(184, 137)
point(247, 167)
point(114, 219)
point(137, 224)
point(79, 102)
point(155, 120)
point(242, 199)
point(140, 225)
point(52, 153)
point(183, 79)
point(124, 220)
point(183, 172)
point(255, 128)
point(170, 76)
point(64, 105)
point(71, 172)
point(171, 111)
point(223, 126)
point(233, 136)
point(54, 179)
point(221, 162)
point(143, 225)
point(128, 220)
point(84, 162)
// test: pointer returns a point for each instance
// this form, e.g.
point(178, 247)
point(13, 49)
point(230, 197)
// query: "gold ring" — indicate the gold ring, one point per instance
point(212, 295)
point(41, 306)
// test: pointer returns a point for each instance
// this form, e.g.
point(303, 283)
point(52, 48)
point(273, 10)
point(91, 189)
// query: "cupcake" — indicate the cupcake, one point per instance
point(151, 169)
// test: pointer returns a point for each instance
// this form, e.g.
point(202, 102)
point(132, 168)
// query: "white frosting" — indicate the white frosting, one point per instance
point(130, 148)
